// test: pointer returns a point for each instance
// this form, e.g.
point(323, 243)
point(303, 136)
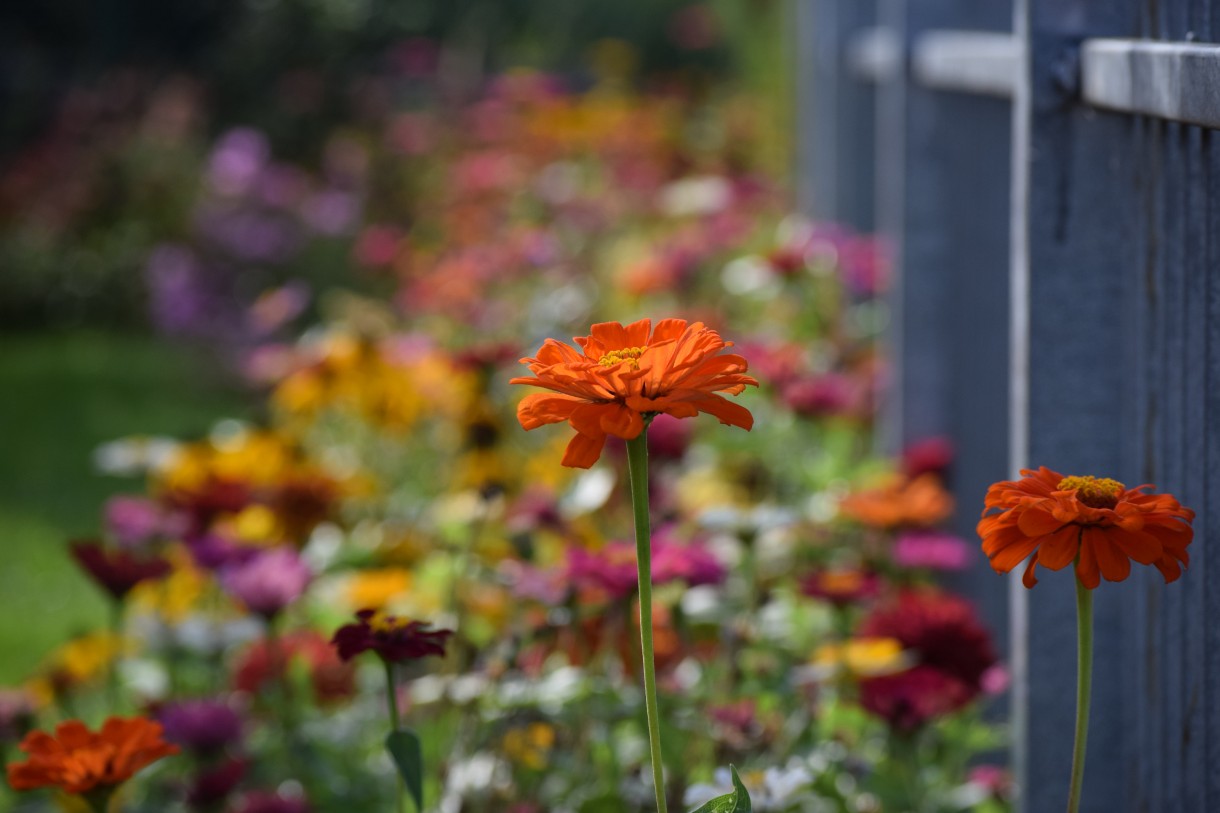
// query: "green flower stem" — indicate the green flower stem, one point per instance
point(112, 673)
point(637, 466)
point(391, 693)
point(1084, 688)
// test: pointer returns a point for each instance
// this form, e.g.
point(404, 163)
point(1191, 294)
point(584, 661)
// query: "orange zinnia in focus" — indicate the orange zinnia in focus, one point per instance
point(78, 760)
point(920, 502)
point(627, 374)
point(1098, 523)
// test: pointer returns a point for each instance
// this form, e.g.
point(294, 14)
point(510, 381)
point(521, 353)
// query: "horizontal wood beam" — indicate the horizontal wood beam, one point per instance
point(981, 62)
point(1179, 81)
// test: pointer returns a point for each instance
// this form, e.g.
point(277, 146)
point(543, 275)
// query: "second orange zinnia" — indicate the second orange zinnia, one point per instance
point(1096, 523)
point(627, 373)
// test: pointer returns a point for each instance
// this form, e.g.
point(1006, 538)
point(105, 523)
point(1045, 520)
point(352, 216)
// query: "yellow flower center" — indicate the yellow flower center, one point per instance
point(629, 354)
point(382, 622)
point(1093, 491)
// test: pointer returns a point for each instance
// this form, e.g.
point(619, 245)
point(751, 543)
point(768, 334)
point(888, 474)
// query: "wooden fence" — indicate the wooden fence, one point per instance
point(1048, 172)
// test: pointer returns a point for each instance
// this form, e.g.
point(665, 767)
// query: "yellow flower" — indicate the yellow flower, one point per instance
point(529, 746)
point(87, 657)
point(374, 589)
point(177, 595)
point(861, 658)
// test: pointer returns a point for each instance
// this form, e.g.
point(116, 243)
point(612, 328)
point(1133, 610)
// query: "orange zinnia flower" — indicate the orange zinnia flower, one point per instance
point(628, 374)
point(1099, 524)
point(921, 502)
point(78, 760)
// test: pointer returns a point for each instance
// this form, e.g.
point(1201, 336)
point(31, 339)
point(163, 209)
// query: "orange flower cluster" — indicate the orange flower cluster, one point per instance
point(1097, 523)
point(920, 502)
point(78, 760)
point(629, 373)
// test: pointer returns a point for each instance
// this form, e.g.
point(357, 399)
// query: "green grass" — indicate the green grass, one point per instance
point(61, 395)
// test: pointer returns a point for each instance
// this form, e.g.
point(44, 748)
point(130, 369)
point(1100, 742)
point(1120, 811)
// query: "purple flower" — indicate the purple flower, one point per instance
point(202, 725)
point(182, 295)
point(332, 212)
point(268, 582)
point(933, 550)
point(612, 568)
point(237, 160)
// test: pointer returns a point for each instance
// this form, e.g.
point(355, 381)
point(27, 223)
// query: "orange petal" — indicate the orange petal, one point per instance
point(583, 451)
point(1114, 565)
point(540, 408)
point(1008, 557)
point(1060, 548)
point(1142, 547)
point(1031, 572)
point(725, 411)
point(1037, 522)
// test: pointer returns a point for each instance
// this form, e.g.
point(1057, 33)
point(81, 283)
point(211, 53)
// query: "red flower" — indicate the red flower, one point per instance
point(78, 760)
point(331, 678)
point(393, 639)
point(952, 651)
point(117, 571)
point(1100, 525)
point(627, 374)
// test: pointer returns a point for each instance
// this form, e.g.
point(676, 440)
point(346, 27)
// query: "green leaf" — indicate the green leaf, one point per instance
point(404, 747)
point(736, 802)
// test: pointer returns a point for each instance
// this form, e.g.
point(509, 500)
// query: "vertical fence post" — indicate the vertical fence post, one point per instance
point(835, 145)
point(943, 203)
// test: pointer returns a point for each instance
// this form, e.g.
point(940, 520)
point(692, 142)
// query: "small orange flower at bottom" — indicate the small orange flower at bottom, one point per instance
point(81, 761)
point(627, 373)
point(1097, 523)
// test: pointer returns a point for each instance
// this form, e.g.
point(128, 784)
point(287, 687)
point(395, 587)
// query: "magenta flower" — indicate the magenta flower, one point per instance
point(691, 563)
point(268, 582)
point(611, 569)
point(133, 521)
point(932, 550)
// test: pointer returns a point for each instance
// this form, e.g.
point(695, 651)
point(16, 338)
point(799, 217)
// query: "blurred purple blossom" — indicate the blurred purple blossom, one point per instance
point(201, 725)
point(332, 212)
point(237, 160)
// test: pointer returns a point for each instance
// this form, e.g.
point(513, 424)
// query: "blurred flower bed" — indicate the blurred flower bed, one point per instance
point(799, 632)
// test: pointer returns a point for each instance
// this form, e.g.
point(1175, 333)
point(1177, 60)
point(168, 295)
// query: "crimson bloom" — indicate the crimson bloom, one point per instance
point(117, 571)
point(627, 374)
point(1097, 523)
point(952, 650)
point(78, 760)
point(394, 639)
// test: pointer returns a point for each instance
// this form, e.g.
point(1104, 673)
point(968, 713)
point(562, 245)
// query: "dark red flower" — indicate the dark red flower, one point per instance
point(394, 639)
point(952, 652)
point(117, 571)
point(214, 783)
point(331, 678)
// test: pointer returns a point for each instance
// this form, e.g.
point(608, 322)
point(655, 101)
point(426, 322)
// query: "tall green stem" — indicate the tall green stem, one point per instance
point(112, 672)
point(1084, 686)
point(637, 465)
point(391, 693)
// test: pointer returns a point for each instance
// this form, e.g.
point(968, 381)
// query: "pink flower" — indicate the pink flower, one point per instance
point(691, 563)
point(133, 521)
point(268, 582)
point(611, 569)
point(933, 550)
